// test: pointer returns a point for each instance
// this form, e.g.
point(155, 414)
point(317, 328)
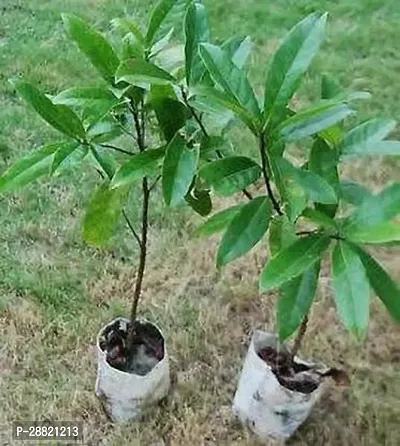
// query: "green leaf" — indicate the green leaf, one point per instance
point(295, 301)
point(214, 99)
point(60, 117)
point(218, 222)
point(376, 209)
point(293, 261)
point(230, 175)
point(128, 25)
point(93, 45)
point(137, 167)
point(158, 15)
point(323, 161)
point(367, 138)
point(171, 114)
point(103, 214)
point(319, 218)
point(351, 289)
point(179, 168)
point(161, 44)
point(294, 196)
point(139, 72)
point(104, 160)
point(196, 31)
point(353, 192)
point(329, 87)
point(245, 230)
point(289, 64)
point(238, 49)
point(310, 122)
point(383, 285)
point(317, 188)
point(95, 102)
point(281, 234)
point(230, 78)
point(29, 168)
point(388, 231)
point(68, 155)
point(199, 201)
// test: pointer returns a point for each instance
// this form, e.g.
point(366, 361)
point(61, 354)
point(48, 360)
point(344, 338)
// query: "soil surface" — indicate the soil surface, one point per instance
point(297, 376)
point(148, 347)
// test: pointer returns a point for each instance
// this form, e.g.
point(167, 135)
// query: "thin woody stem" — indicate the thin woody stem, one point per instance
point(264, 164)
point(299, 337)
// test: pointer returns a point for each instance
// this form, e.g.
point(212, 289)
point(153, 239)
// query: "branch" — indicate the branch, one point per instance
point(264, 162)
point(155, 183)
point(197, 118)
point(118, 149)
point(129, 223)
point(299, 337)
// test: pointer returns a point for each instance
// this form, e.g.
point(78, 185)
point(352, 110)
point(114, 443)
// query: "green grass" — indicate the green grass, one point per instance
point(55, 292)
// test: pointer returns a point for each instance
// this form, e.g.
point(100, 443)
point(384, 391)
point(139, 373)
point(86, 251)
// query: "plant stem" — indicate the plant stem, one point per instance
point(299, 337)
point(129, 223)
point(117, 149)
point(139, 120)
point(264, 164)
point(197, 118)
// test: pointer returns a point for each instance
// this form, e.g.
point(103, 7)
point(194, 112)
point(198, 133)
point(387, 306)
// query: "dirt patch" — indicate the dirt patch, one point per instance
point(147, 350)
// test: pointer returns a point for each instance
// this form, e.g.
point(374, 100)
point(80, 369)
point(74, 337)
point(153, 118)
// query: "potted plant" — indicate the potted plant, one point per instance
point(307, 210)
point(132, 128)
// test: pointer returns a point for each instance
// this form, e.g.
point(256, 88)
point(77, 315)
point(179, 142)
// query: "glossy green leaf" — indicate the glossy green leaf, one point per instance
point(230, 175)
point(158, 15)
point(102, 215)
point(161, 44)
point(354, 193)
point(383, 285)
point(128, 25)
point(171, 114)
point(68, 155)
point(293, 261)
point(229, 77)
point(295, 301)
point(368, 138)
point(282, 234)
point(388, 231)
point(93, 45)
point(196, 31)
point(29, 168)
point(104, 130)
point(139, 72)
point(323, 161)
point(178, 171)
point(376, 209)
point(104, 160)
point(310, 122)
point(218, 222)
point(294, 197)
point(319, 218)
point(214, 100)
point(137, 167)
point(351, 289)
point(245, 230)
point(238, 49)
point(317, 188)
point(290, 62)
point(199, 201)
point(60, 117)
point(95, 102)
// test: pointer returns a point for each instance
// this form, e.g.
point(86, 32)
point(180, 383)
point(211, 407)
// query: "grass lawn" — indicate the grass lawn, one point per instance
point(56, 292)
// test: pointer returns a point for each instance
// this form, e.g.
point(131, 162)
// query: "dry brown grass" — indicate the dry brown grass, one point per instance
point(48, 370)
